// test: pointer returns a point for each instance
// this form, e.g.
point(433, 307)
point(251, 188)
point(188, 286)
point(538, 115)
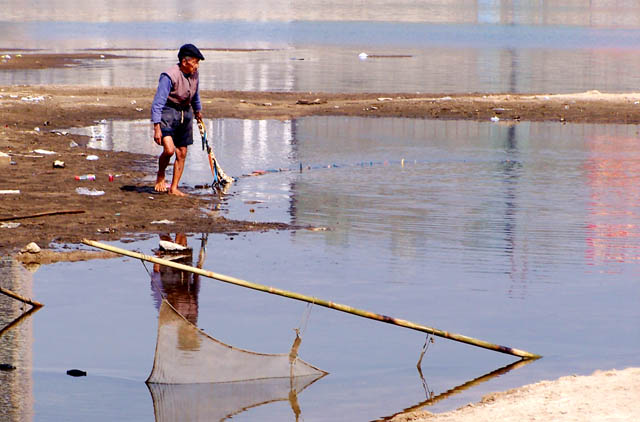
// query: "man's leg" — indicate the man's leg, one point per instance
point(168, 150)
point(178, 168)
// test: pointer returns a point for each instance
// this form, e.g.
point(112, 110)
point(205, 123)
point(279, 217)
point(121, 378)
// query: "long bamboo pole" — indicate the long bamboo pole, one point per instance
point(20, 298)
point(327, 304)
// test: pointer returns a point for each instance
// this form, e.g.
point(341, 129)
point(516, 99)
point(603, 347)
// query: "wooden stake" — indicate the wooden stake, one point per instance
point(21, 298)
point(327, 304)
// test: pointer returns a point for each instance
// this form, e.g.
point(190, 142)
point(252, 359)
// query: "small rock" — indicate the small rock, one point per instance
point(31, 248)
point(76, 373)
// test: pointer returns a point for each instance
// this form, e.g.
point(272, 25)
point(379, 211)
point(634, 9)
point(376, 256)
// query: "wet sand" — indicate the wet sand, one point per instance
point(30, 114)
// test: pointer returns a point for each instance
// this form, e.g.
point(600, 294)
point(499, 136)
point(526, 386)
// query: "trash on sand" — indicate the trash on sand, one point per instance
point(385, 99)
point(9, 191)
point(76, 373)
point(310, 102)
point(92, 157)
point(36, 129)
point(73, 144)
point(363, 56)
point(86, 177)
point(445, 99)
point(31, 248)
point(32, 99)
point(165, 245)
point(6, 367)
point(495, 119)
point(58, 164)
point(165, 221)
point(90, 192)
point(4, 225)
point(44, 152)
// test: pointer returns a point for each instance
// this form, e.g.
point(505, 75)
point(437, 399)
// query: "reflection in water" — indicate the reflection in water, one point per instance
point(222, 401)
point(613, 175)
point(16, 344)
point(462, 387)
point(179, 287)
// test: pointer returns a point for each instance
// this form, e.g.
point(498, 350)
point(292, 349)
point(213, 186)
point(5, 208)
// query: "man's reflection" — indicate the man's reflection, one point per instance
point(180, 288)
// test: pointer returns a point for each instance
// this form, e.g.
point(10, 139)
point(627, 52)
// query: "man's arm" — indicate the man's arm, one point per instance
point(159, 101)
point(196, 104)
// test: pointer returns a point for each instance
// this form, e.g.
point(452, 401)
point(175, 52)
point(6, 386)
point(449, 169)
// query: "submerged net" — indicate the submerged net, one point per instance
point(186, 355)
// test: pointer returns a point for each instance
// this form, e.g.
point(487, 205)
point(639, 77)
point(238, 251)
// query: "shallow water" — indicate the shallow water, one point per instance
point(522, 235)
point(452, 46)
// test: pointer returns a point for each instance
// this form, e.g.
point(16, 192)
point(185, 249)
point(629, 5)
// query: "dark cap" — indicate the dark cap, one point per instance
point(190, 50)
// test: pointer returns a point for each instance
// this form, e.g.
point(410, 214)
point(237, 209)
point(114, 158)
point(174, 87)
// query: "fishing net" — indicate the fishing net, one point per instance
point(221, 401)
point(186, 355)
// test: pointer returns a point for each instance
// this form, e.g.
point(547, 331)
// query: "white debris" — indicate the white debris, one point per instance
point(495, 119)
point(90, 192)
point(32, 99)
point(165, 221)
point(92, 157)
point(171, 246)
point(363, 56)
point(44, 152)
point(9, 191)
point(4, 225)
point(445, 99)
point(384, 99)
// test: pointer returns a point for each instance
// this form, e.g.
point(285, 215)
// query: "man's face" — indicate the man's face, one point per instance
point(189, 65)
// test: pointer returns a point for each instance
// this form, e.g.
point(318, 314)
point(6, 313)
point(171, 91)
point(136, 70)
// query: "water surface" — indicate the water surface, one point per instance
point(522, 235)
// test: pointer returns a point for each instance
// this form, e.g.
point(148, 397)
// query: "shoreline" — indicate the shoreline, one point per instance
point(30, 114)
point(610, 395)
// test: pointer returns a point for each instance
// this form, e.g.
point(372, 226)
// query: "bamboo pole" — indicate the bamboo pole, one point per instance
point(327, 304)
point(42, 214)
point(20, 298)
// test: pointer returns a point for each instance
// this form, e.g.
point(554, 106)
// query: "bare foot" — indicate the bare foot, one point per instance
point(161, 185)
point(176, 192)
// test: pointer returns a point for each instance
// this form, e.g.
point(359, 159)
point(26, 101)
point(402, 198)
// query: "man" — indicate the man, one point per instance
point(172, 117)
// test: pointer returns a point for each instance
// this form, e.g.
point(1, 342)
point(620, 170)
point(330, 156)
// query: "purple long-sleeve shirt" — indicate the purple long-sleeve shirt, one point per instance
point(160, 99)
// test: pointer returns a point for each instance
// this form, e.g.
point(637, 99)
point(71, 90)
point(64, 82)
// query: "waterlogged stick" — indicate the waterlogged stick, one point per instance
point(327, 304)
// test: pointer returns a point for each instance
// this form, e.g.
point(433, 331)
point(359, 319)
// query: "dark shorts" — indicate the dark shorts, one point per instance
point(177, 124)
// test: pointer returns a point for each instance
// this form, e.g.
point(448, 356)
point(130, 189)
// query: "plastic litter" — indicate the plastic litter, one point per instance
point(58, 164)
point(90, 192)
point(495, 119)
point(4, 225)
point(92, 157)
point(44, 152)
point(363, 56)
point(9, 191)
point(86, 177)
point(165, 221)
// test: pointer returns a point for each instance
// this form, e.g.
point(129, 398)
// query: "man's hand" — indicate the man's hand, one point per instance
point(198, 115)
point(157, 133)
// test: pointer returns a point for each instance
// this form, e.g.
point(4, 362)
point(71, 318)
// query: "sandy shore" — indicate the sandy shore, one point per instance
point(603, 396)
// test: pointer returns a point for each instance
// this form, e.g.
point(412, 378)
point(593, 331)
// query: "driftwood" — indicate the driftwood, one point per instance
point(41, 214)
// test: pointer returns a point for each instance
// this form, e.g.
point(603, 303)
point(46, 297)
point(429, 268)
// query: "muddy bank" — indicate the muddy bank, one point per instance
point(29, 114)
point(602, 396)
